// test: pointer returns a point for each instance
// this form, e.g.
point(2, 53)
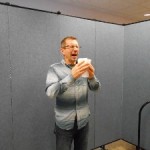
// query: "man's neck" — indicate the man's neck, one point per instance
point(71, 63)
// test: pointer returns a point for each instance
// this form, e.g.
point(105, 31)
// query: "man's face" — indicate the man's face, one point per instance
point(70, 51)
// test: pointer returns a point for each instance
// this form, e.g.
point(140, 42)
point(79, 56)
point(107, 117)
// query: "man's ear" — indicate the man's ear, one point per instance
point(62, 51)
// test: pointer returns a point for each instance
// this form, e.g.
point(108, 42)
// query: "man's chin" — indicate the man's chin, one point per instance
point(73, 61)
point(74, 58)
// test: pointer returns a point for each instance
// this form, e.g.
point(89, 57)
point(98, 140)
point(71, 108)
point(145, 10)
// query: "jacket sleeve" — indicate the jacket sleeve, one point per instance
point(94, 84)
point(55, 85)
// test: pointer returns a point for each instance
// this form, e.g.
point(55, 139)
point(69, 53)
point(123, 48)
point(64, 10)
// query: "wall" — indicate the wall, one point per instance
point(29, 44)
point(109, 68)
point(136, 82)
point(5, 88)
point(32, 48)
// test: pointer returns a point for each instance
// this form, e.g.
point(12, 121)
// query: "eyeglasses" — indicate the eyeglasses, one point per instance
point(72, 47)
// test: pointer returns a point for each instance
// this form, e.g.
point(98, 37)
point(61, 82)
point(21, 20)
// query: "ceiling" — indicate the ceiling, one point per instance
point(112, 11)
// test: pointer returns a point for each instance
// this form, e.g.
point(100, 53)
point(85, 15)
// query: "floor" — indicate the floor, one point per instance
point(119, 145)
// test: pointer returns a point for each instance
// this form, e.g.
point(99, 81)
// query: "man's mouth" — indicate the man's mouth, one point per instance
point(74, 54)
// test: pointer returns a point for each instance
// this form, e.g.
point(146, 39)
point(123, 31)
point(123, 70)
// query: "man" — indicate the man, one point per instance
point(65, 83)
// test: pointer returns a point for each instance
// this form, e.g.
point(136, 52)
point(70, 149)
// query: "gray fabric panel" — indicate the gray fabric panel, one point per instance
point(136, 81)
point(34, 45)
point(6, 133)
point(109, 66)
point(81, 29)
point(33, 48)
point(4, 1)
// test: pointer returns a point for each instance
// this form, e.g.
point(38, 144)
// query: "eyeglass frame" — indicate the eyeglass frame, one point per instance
point(71, 47)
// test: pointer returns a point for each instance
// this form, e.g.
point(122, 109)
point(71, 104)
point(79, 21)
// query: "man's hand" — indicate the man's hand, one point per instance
point(80, 68)
point(91, 71)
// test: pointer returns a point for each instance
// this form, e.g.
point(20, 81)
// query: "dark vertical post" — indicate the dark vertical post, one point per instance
point(139, 125)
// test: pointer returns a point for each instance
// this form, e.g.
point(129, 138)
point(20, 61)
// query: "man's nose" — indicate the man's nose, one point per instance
point(75, 50)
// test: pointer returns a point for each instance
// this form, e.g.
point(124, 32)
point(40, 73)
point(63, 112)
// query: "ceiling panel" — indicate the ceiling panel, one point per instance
point(113, 11)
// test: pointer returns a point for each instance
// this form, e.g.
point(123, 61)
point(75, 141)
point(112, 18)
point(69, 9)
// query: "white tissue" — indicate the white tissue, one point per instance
point(85, 74)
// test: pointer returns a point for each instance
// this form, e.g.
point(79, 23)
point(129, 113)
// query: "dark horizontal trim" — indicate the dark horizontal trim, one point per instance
point(137, 22)
point(17, 6)
point(59, 13)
